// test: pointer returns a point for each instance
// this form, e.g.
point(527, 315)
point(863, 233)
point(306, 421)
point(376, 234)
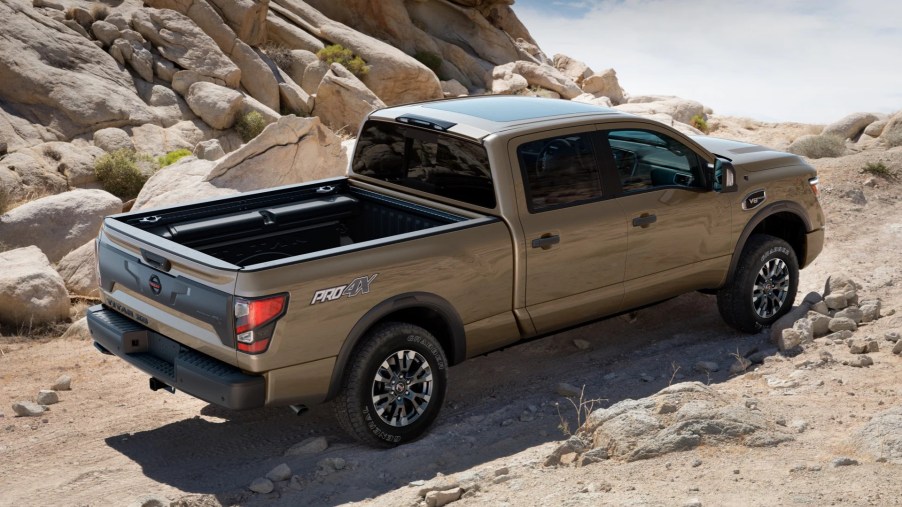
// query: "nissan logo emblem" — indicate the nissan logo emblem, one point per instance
point(155, 285)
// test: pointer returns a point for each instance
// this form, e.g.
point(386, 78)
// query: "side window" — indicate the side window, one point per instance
point(559, 171)
point(645, 160)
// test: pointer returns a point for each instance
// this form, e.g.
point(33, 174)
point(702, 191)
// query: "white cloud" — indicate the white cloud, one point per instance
point(797, 60)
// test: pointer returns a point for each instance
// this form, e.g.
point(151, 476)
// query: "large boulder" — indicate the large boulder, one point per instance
point(180, 40)
point(31, 292)
point(394, 76)
point(604, 84)
point(214, 104)
point(112, 139)
point(179, 183)
point(892, 131)
point(343, 101)
point(851, 126)
point(59, 223)
point(681, 110)
point(79, 271)
point(307, 70)
point(24, 173)
point(246, 17)
point(74, 161)
point(284, 32)
point(292, 150)
point(574, 69)
point(58, 79)
point(541, 75)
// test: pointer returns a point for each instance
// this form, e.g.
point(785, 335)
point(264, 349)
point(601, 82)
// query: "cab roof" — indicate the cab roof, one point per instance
point(478, 117)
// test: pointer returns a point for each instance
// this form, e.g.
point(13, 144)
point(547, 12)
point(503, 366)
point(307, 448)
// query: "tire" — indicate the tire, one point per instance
point(763, 287)
point(381, 402)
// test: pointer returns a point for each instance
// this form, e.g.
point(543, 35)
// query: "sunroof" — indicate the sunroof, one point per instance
point(507, 108)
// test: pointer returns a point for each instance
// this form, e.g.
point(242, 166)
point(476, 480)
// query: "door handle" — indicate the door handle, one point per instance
point(546, 241)
point(645, 220)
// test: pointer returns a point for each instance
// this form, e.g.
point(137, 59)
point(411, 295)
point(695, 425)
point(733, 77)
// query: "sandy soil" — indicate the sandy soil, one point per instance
point(111, 441)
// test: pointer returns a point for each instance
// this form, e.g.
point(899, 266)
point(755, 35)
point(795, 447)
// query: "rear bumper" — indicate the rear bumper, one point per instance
point(814, 244)
point(181, 367)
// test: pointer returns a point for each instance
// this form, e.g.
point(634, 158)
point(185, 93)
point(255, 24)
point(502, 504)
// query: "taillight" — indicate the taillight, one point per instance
point(814, 186)
point(255, 321)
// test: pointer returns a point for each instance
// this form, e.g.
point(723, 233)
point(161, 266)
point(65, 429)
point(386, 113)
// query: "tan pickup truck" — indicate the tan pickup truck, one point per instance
point(465, 225)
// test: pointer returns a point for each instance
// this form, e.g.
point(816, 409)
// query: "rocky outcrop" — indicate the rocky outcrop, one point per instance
point(31, 292)
point(574, 69)
point(181, 182)
point(540, 75)
point(307, 70)
point(605, 84)
point(681, 110)
point(24, 173)
point(343, 101)
point(851, 126)
point(58, 80)
point(246, 17)
point(180, 40)
point(292, 150)
point(79, 271)
point(59, 223)
point(216, 105)
point(394, 76)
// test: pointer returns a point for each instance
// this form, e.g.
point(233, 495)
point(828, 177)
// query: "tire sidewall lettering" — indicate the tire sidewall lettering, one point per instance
point(773, 252)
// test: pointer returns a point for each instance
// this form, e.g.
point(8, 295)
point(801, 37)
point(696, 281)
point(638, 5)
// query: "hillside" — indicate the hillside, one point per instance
point(184, 99)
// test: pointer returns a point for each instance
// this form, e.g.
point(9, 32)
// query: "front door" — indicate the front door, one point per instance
point(575, 235)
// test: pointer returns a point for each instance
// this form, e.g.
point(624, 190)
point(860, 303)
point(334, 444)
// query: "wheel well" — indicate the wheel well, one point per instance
point(788, 227)
point(431, 321)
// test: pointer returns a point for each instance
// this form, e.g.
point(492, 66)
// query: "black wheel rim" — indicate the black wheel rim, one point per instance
point(402, 388)
point(771, 288)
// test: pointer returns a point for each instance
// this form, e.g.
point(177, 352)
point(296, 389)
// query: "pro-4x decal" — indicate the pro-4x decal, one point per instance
point(359, 285)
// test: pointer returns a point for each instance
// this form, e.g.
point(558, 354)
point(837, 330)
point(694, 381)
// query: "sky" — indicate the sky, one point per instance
point(811, 61)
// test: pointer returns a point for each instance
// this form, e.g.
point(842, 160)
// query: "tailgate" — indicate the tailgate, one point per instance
point(176, 291)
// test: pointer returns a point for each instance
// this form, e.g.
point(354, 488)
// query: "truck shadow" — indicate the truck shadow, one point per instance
point(497, 405)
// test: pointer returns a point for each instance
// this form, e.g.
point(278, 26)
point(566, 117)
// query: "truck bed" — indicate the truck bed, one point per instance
point(278, 224)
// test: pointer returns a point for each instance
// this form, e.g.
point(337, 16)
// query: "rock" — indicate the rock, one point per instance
point(136, 55)
point(105, 32)
point(79, 271)
point(852, 313)
point(58, 224)
point(440, 498)
point(179, 183)
point(47, 397)
point(112, 139)
point(394, 76)
point(246, 18)
point(758, 357)
point(261, 485)
point(821, 308)
point(310, 445)
point(839, 336)
point(861, 361)
point(892, 336)
point(179, 40)
point(820, 323)
point(706, 367)
point(63, 383)
point(568, 391)
point(215, 105)
point(843, 462)
point(77, 331)
point(27, 409)
point(851, 126)
point(343, 101)
point(681, 110)
point(605, 84)
point(54, 77)
point(31, 292)
point(870, 312)
point(861, 346)
point(840, 283)
point(279, 473)
point(541, 75)
point(582, 344)
point(163, 69)
point(842, 324)
point(49, 4)
point(572, 68)
point(740, 365)
point(329, 465)
point(506, 82)
point(897, 349)
point(74, 161)
point(836, 301)
point(209, 150)
point(875, 128)
point(292, 150)
point(154, 140)
point(453, 88)
point(183, 79)
point(307, 70)
point(286, 33)
point(789, 340)
point(25, 173)
point(882, 436)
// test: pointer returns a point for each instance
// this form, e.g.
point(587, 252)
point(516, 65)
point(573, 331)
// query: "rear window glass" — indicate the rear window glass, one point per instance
point(425, 161)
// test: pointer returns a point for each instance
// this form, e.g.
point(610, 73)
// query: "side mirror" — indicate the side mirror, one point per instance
point(723, 179)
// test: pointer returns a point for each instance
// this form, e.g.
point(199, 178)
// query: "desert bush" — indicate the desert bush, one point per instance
point(172, 157)
point(431, 60)
point(823, 146)
point(250, 125)
point(336, 53)
point(878, 169)
point(123, 172)
point(279, 54)
point(99, 11)
point(700, 123)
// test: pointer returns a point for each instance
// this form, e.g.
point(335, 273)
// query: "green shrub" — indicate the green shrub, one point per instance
point(879, 169)
point(431, 60)
point(700, 123)
point(336, 53)
point(123, 172)
point(172, 157)
point(279, 54)
point(250, 125)
point(822, 146)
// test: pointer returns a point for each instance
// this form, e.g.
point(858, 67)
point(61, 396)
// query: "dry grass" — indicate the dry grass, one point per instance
point(583, 408)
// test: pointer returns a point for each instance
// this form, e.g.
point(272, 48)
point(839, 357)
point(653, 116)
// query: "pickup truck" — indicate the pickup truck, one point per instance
point(464, 226)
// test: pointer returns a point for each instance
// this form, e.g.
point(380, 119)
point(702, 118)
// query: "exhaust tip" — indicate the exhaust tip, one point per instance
point(157, 384)
point(298, 409)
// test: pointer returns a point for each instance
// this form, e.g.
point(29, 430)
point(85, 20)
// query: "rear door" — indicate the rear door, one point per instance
point(678, 231)
point(575, 235)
